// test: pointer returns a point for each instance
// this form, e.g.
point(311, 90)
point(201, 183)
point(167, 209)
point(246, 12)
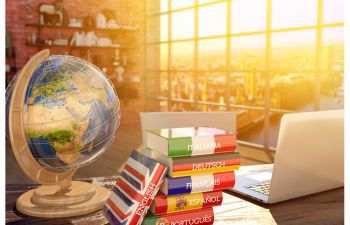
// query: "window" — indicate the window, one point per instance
point(259, 58)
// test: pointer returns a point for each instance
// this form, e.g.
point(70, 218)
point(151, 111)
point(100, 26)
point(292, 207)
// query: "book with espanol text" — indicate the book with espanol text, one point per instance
point(187, 166)
point(198, 183)
point(134, 191)
point(198, 217)
point(189, 141)
point(171, 204)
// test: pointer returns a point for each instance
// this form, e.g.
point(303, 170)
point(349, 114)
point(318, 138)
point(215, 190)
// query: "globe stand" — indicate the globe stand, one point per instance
point(52, 202)
point(59, 196)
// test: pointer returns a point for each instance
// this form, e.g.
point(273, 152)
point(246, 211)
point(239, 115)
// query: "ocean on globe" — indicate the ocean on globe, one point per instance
point(71, 112)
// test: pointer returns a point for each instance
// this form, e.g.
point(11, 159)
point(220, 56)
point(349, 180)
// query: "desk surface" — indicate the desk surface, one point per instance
point(322, 208)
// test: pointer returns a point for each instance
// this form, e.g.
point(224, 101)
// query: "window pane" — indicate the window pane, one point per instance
point(182, 55)
point(212, 87)
point(164, 27)
point(182, 85)
point(212, 54)
point(212, 20)
point(246, 18)
point(293, 51)
point(163, 85)
point(248, 52)
point(333, 11)
point(178, 4)
point(287, 13)
point(247, 88)
point(163, 5)
point(206, 1)
point(182, 25)
point(292, 79)
point(164, 56)
point(274, 128)
point(208, 108)
point(163, 106)
point(332, 86)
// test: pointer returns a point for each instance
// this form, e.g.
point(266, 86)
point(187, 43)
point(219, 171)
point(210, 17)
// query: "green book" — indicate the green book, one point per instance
point(190, 141)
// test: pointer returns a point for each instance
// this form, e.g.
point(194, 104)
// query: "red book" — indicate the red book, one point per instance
point(197, 217)
point(171, 204)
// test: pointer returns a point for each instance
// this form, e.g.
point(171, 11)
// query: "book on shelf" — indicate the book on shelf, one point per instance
point(198, 183)
point(198, 217)
point(171, 204)
point(135, 189)
point(187, 166)
point(189, 141)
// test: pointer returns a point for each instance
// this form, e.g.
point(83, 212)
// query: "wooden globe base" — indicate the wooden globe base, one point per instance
point(79, 199)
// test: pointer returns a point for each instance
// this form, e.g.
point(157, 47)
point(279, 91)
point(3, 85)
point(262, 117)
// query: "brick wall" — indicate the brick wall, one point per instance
point(126, 12)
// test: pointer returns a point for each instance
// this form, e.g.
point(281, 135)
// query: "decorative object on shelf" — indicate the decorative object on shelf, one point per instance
point(90, 39)
point(49, 15)
point(55, 133)
point(62, 42)
point(100, 21)
point(112, 24)
point(104, 41)
point(120, 71)
point(81, 38)
point(75, 22)
point(135, 78)
point(33, 38)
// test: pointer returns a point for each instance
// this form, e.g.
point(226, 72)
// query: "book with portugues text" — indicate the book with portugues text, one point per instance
point(171, 204)
point(198, 183)
point(198, 217)
point(134, 191)
point(189, 141)
point(187, 166)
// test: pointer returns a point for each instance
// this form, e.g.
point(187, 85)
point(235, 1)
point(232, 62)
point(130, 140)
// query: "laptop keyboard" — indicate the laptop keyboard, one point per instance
point(262, 188)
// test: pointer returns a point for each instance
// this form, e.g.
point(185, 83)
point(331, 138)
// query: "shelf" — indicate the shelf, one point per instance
point(80, 28)
point(78, 47)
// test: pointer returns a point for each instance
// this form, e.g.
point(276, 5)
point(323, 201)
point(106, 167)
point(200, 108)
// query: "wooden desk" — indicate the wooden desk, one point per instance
point(322, 208)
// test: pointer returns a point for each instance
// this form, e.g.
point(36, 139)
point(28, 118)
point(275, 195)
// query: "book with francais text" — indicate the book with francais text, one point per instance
point(198, 183)
point(189, 141)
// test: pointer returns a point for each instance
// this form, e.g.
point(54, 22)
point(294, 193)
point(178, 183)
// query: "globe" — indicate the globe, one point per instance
point(62, 114)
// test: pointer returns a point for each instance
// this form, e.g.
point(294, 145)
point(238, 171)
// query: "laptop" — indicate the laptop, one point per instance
point(309, 159)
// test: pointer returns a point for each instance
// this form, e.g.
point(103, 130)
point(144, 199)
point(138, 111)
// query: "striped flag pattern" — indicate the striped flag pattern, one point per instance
point(134, 191)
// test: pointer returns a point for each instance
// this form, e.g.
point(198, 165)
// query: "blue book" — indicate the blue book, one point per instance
point(198, 183)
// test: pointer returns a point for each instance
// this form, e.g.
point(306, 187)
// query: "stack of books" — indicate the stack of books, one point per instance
point(201, 162)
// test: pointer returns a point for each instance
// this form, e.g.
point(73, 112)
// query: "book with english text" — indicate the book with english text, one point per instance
point(134, 191)
point(189, 141)
point(198, 217)
point(202, 164)
point(198, 183)
point(171, 204)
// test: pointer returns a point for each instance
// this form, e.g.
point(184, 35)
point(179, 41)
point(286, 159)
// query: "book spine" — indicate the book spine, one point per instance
point(198, 217)
point(199, 183)
point(171, 204)
point(201, 145)
point(205, 167)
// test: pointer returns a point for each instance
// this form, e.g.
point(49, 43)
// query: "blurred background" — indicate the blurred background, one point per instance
point(259, 58)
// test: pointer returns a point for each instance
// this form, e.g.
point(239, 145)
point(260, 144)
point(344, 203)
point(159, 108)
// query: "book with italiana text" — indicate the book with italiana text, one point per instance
point(187, 166)
point(198, 217)
point(198, 183)
point(171, 204)
point(134, 191)
point(189, 141)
